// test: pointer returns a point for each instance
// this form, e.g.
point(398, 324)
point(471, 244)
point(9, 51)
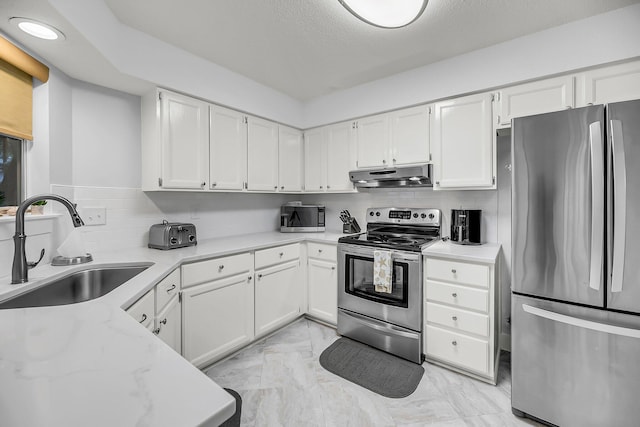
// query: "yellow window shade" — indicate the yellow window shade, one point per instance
point(16, 89)
point(16, 102)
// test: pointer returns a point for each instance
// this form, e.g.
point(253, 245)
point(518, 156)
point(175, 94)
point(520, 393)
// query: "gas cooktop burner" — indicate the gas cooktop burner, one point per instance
point(408, 229)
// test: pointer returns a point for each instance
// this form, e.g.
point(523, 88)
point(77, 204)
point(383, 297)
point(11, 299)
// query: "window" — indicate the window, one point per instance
point(11, 163)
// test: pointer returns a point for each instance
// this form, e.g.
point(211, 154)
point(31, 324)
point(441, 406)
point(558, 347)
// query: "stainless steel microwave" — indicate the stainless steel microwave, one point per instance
point(296, 217)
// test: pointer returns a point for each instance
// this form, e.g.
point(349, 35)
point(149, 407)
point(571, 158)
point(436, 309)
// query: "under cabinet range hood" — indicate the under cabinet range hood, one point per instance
point(404, 176)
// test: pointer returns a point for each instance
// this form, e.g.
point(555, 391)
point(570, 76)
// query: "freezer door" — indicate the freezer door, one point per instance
point(624, 140)
point(558, 223)
point(574, 366)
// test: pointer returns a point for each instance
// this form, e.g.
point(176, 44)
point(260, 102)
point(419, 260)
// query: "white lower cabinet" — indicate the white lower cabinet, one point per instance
point(461, 317)
point(217, 315)
point(169, 325)
point(322, 282)
point(143, 310)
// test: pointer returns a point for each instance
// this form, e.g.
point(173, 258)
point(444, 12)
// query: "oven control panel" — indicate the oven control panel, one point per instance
point(417, 216)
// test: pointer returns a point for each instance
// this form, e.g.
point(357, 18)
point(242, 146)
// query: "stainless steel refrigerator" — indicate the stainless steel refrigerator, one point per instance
point(576, 266)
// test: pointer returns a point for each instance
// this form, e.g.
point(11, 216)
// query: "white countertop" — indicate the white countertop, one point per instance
point(92, 364)
point(485, 253)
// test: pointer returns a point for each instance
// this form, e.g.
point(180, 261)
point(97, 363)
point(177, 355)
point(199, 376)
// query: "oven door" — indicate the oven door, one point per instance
point(356, 293)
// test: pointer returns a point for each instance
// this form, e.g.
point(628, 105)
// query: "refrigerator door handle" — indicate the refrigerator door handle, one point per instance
point(582, 323)
point(619, 205)
point(596, 146)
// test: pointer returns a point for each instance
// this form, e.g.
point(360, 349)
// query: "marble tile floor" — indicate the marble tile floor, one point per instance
point(282, 384)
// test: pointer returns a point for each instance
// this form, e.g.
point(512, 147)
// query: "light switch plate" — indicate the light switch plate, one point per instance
point(94, 216)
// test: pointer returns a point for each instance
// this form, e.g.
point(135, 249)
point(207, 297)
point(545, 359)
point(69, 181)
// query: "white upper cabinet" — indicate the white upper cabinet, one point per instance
point(609, 84)
point(372, 136)
point(262, 161)
point(315, 160)
point(290, 159)
point(228, 149)
point(410, 135)
point(184, 133)
point(341, 156)
point(462, 139)
point(538, 97)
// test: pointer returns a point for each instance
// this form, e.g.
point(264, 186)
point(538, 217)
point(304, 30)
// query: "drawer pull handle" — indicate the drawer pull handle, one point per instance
point(171, 288)
point(454, 342)
point(144, 317)
point(455, 295)
point(453, 270)
point(220, 267)
point(454, 318)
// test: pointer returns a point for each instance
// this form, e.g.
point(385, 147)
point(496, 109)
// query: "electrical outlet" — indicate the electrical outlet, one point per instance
point(94, 216)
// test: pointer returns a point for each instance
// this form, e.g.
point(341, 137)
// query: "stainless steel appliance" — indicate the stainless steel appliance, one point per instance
point(172, 235)
point(576, 266)
point(298, 218)
point(389, 321)
point(401, 176)
point(465, 226)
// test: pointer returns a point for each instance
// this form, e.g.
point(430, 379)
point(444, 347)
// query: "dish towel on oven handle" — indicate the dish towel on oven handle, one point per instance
point(382, 273)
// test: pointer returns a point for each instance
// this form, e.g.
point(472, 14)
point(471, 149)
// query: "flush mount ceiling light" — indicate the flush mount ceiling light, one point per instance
point(37, 29)
point(386, 13)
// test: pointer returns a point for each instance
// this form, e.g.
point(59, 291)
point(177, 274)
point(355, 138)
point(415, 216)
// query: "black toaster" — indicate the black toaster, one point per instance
point(171, 235)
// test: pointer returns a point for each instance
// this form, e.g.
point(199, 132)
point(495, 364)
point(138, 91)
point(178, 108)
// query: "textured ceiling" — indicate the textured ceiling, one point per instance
point(303, 48)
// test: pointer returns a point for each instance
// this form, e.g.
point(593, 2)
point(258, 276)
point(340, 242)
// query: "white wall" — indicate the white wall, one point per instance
point(586, 43)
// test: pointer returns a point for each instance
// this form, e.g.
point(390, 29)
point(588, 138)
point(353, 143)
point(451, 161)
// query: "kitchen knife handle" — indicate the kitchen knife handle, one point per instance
point(619, 170)
point(596, 148)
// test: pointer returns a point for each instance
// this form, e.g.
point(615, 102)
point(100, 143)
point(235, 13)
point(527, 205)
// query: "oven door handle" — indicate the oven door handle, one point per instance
point(385, 328)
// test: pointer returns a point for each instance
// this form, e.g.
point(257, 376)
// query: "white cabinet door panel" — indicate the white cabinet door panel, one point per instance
point(277, 296)
point(322, 285)
point(169, 325)
point(609, 84)
point(262, 174)
point(315, 160)
point(410, 135)
point(228, 149)
point(373, 141)
point(185, 141)
point(341, 153)
point(290, 159)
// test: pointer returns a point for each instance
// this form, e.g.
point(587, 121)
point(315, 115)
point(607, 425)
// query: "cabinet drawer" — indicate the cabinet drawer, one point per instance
point(461, 350)
point(271, 256)
point(321, 251)
point(143, 309)
point(460, 296)
point(461, 320)
point(214, 269)
point(167, 288)
point(456, 271)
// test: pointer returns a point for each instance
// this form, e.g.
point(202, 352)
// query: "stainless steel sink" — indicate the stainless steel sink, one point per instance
point(79, 286)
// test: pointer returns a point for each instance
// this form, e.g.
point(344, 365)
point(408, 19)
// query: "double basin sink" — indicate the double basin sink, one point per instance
point(78, 286)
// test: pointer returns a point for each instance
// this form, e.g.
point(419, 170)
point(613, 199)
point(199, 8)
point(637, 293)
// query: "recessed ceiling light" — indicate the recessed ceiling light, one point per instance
point(37, 29)
point(386, 13)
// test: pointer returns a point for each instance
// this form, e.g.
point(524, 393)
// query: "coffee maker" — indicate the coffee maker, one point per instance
point(465, 226)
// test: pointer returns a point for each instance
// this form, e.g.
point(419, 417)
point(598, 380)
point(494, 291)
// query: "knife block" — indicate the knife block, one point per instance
point(351, 227)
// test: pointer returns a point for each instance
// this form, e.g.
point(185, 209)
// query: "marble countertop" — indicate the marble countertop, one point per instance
point(92, 364)
point(485, 253)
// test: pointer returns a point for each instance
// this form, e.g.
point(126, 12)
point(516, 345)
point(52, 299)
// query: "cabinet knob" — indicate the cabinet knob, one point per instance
point(321, 187)
point(454, 271)
point(333, 267)
point(221, 267)
point(394, 161)
point(328, 187)
point(454, 342)
point(164, 321)
point(319, 251)
point(156, 331)
point(213, 184)
point(282, 187)
point(203, 184)
point(384, 162)
point(171, 288)
point(281, 254)
point(259, 276)
point(249, 278)
point(454, 318)
point(144, 317)
point(437, 182)
point(455, 295)
point(275, 187)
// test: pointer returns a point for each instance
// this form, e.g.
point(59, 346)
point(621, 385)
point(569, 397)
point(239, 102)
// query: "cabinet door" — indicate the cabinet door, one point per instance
point(228, 149)
point(315, 160)
point(534, 98)
point(410, 135)
point(169, 325)
point(341, 153)
point(185, 141)
point(373, 141)
point(143, 310)
point(463, 140)
point(217, 318)
point(322, 285)
point(609, 84)
point(290, 159)
point(277, 293)
point(262, 174)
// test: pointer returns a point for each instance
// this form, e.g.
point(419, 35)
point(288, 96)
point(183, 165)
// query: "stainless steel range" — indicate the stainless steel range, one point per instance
point(390, 320)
